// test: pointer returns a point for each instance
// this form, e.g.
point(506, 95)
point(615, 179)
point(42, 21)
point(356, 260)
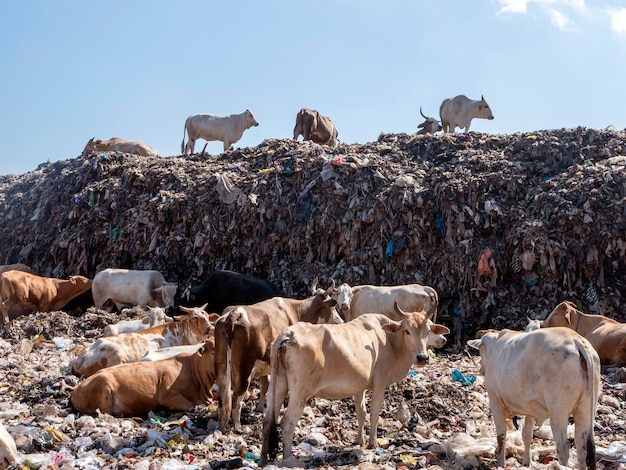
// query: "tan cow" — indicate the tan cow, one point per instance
point(339, 361)
point(136, 388)
point(460, 110)
point(116, 144)
point(315, 127)
point(22, 293)
point(355, 301)
point(15, 267)
point(242, 343)
point(8, 449)
point(227, 129)
point(105, 352)
point(607, 336)
point(547, 373)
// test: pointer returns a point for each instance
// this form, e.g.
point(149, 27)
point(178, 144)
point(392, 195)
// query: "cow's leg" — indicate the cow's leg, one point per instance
point(242, 376)
point(499, 419)
point(527, 437)
point(376, 403)
point(222, 372)
point(288, 426)
point(558, 423)
point(361, 412)
point(264, 382)
point(620, 355)
point(190, 147)
point(583, 437)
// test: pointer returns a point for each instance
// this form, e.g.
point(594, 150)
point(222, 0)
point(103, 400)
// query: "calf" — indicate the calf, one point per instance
point(607, 336)
point(130, 347)
point(546, 373)
point(242, 343)
point(156, 316)
point(177, 383)
point(339, 361)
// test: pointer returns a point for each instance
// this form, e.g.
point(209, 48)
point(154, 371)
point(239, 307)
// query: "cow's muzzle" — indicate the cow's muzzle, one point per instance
point(421, 359)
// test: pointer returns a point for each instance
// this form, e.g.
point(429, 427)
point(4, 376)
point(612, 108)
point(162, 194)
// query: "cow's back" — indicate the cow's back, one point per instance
point(123, 285)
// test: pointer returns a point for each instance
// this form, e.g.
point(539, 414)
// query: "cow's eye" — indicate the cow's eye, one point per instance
point(407, 332)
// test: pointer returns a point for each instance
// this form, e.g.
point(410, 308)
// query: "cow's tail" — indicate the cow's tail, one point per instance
point(435, 298)
point(590, 368)
point(182, 145)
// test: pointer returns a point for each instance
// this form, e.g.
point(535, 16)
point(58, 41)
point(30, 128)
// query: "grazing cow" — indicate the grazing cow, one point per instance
point(136, 388)
point(313, 126)
point(242, 344)
point(224, 288)
point(460, 110)
point(119, 145)
point(15, 267)
point(607, 336)
point(228, 129)
point(339, 361)
point(156, 316)
point(79, 304)
point(546, 373)
point(429, 126)
point(22, 293)
point(355, 301)
point(8, 449)
point(132, 287)
point(105, 352)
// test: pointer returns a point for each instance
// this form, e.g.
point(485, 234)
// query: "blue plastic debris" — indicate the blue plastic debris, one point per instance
point(458, 376)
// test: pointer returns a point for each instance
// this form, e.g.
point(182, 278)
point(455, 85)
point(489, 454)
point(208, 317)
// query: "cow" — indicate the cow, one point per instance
point(165, 353)
point(546, 373)
point(22, 293)
point(243, 335)
point(15, 267)
point(191, 328)
point(355, 301)
point(607, 336)
point(79, 304)
point(116, 144)
point(136, 388)
point(460, 110)
point(338, 361)
point(156, 316)
point(8, 449)
point(429, 126)
point(122, 287)
point(224, 288)
point(228, 129)
point(315, 127)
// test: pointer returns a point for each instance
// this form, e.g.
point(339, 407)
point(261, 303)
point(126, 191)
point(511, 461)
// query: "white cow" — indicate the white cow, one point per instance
point(358, 300)
point(546, 373)
point(122, 287)
point(156, 316)
point(8, 449)
point(228, 129)
point(339, 361)
point(460, 110)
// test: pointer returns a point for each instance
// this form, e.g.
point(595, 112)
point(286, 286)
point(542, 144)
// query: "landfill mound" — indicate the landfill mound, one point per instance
point(503, 226)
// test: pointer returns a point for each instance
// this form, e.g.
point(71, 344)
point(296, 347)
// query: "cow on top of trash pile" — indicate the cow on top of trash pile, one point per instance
point(116, 144)
point(545, 373)
point(108, 351)
point(460, 110)
point(22, 293)
point(338, 361)
point(143, 288)
point(227, 129)
point(607, 336)
point(429, 126)
point(311, 125)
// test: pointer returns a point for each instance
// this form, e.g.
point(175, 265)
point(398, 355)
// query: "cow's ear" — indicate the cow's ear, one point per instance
point(213, 317)
point(439, 329)
point(392, 326)
point(330, 302)
point(356, 291)
point(474, 343)
point(568, 317)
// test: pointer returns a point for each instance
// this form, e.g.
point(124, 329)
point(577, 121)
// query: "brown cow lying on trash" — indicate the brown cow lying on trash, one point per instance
point(116, 144)
point(315, 127)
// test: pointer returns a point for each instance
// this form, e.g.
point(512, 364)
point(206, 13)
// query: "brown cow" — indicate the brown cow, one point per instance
point(116, 144)
point(607, 336)
point(315, 127)
point(22, 293)
point(136, 388)
point(243, 336)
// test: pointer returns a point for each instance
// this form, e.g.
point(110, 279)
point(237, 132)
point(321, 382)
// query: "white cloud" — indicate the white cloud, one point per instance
point(618, 20)
point(558, 19)
point(513, 6)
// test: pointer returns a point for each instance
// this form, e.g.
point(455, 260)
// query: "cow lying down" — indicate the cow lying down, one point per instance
point(156, 316)
point(546, 373)
point(177, 383)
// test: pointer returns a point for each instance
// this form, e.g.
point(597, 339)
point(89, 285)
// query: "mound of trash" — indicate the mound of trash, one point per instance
point(503, 226)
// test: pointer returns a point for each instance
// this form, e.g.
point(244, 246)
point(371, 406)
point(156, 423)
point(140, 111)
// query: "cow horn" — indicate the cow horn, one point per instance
point(482, 98)
point(399, 310)
point(425, 117)
point(314, 285)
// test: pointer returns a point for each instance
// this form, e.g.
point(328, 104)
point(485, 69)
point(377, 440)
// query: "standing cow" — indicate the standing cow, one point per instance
point(460, 110)
point(228, 129)
point(315, 127)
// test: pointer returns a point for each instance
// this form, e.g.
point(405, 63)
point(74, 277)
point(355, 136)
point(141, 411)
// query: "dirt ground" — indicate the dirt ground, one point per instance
point(429, 419)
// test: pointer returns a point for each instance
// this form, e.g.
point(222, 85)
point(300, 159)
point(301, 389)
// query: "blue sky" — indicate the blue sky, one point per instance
point(76, 69)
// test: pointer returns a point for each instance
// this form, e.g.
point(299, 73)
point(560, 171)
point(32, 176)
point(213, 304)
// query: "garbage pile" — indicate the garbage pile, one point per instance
point(503, 226)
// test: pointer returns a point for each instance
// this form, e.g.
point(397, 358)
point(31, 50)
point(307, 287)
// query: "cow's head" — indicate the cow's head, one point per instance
point(250, 119)
point(164, 294)
point(344, 295)
point(484, 111)
point(562, 315)
point(436, 338)
point(80, 280)
point(91, 146)
point(429, 126)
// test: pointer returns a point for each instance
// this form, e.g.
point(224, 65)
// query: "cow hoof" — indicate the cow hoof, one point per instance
point(291, 462)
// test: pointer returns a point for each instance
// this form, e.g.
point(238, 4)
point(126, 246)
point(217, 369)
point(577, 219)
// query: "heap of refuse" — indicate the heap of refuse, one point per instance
point(503, 226)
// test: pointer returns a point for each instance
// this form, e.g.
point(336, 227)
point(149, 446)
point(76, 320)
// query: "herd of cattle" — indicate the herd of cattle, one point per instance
point(337, 343)
point(310, 124)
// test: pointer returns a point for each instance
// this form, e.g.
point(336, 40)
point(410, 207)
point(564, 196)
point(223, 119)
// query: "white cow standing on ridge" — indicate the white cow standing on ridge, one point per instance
point(460, 110)
point(228, 129)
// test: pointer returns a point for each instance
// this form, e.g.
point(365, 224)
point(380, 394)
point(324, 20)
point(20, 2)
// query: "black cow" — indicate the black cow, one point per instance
point(224, 288)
